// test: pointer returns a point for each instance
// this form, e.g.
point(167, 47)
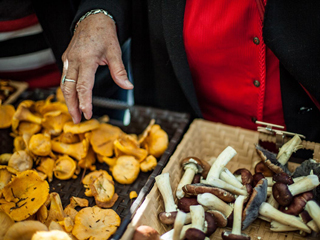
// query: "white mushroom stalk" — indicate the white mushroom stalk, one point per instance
point(163, 184)
point(215, 182)
point(178, 224)
point(272, 201)
point(191, 169)
point(314, 211)
point(266, 210)
point(270, 181)
point(214, 203)
point(222, 160)
point(279, 227)
point(313, 225)
point(228, 177)
point(304, 185)
point(237, 215)
point(197, 217)
point(288, 148)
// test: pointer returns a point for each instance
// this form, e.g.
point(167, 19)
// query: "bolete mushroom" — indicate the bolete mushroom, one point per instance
point(200, 188)
point(214, 203)
point(185, 203)
point(298, 203)
point(288, 149)
point(284, 193)
point(96, 223)
point(164, 186)
point(196, 231)
point(270, 212)
point(191, 166)
point(237, 220)
point(178, 224)
point(313, 209)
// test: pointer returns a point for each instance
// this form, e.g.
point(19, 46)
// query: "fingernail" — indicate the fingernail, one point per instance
point(128, 83)
point(85, 115)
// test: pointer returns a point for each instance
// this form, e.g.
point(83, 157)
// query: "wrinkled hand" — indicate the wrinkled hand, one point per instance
point(94, 43)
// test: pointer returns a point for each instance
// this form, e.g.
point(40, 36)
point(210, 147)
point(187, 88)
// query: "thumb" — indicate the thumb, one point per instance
point(119, 73)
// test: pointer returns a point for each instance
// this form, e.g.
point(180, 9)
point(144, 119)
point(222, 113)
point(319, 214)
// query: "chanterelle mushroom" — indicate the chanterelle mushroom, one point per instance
point(25, 194)
point(95, 223)
point(5, 223)
point(24, 230)
point(191, 166)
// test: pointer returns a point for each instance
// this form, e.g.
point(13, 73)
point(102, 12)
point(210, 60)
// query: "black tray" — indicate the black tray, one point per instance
point(173, 123)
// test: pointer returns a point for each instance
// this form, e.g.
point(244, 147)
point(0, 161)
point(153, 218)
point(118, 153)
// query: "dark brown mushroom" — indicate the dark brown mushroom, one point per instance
point(211, 224)
point(191, 166)
point(194, 234)
point(219, 218)
point(185, 203)
point(237, 219)
point(200, 188)
point(245, 177)
point(257, 177)
point(284, 193)
point(283, 178)
point(307, 219)
point(196, 231)
point(262, 168)
point(298, 203)
point(196, 178)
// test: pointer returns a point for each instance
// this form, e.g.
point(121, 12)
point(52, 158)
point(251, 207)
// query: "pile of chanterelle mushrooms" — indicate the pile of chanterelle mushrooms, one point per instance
point(209, 197)
point(48, 145)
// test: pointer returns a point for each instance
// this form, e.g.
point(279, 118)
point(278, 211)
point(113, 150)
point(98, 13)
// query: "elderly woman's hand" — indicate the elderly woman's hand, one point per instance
point(94, 43)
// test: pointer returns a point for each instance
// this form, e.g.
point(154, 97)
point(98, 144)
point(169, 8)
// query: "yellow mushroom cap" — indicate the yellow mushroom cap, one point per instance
point(6, 114)
point(95, 223)
point(25, 194)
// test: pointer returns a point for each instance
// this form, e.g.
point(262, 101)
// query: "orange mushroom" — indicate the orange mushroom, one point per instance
point(54, 121)
point(77, 150)
point(126, 170)
point(59, 95)
point(102, 189)
point(102, 139)
point(25, 194)
point(148, 164)
point(82, 127)
point(21, 161)
point(56, 212)
point(18, 143)
point(46, 166)
point(6, 114)
point(157, 141)
point(95, 223)
point(40, 145)
point(68, 138)
point(28, 128)
point(23, 113)
point(5, 223)
point(91, 177)
point(126, 145)
point(88, 161)
point(64, 168)
point(24, 230)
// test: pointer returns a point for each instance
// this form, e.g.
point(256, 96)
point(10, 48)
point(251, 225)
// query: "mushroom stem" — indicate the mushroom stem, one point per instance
point(190, 170)
point(273, 201)
point(313, 225)
point(287, 149)
point(279, 227)
point(270, 181)
point(314, 211)
point(163, 184)
point(237, 215)
point(304, 185)
point(269, 191)
point(222, 160)
point(268, 211)
point(226, 186)
point(228, 177)
point(197, 217)
point(178, 224)
point(214, 203)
